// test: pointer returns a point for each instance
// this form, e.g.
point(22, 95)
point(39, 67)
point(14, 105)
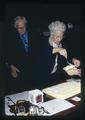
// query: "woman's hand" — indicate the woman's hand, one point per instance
point(76, 62)
point(72, 70)
point(61, 51)
point(14, 71)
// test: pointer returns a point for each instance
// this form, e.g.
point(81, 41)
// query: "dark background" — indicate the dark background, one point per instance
point(39, 15)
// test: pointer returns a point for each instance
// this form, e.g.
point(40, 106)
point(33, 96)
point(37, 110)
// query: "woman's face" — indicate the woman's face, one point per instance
point(57, 37)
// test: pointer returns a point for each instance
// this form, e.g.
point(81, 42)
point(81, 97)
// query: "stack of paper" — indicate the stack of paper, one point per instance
point(55, 106)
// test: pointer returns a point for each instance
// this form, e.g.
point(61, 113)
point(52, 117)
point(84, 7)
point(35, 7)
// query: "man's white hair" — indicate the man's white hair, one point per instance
point(18, 19)
point(55, 27)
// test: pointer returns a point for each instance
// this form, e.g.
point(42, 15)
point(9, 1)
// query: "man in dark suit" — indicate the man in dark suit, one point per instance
point(19, 55)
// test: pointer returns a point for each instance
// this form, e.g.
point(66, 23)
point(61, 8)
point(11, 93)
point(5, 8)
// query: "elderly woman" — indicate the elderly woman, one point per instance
point(57, 30)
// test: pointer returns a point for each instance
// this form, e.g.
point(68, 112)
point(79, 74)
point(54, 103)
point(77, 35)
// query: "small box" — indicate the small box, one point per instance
point(35, 96)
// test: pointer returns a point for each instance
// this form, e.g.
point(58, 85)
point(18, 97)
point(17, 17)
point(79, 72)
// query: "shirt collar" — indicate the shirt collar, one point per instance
point(23, 34)
point(56, 45)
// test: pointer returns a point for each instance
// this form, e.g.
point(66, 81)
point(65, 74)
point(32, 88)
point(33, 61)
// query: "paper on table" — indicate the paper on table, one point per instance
point(55, 106)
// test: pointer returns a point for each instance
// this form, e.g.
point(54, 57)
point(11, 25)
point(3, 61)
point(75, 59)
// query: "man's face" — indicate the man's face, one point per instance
point(21, 28)
point(57, 37)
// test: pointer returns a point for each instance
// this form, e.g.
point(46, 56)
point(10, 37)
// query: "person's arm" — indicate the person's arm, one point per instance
point(11, 57)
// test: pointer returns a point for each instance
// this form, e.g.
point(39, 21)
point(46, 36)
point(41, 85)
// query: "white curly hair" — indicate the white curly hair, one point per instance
point(55, 27)
point(18, 19)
